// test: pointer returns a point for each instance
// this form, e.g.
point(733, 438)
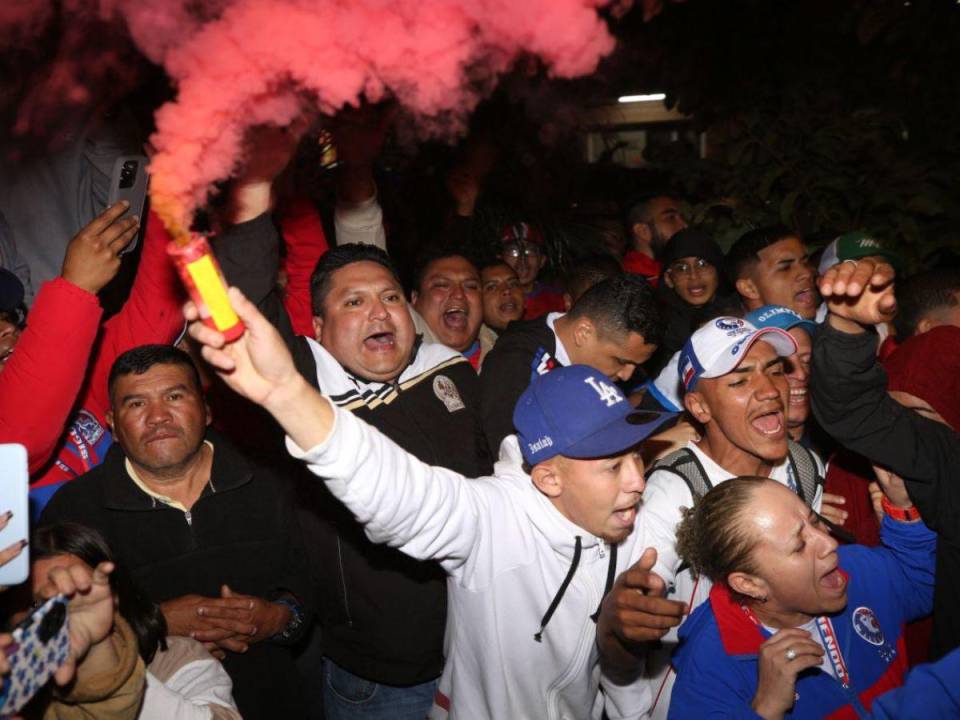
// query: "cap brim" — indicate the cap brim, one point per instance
point(619, 435)
point(781, 341)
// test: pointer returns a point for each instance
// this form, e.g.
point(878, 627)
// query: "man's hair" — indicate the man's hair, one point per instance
point(924, 294)
point(339, 257)
point(745, 252)
point(588, 271)
point(620, 305)
point(710, 537)
point(143, 616)
point(638, 211)
point(140, 359)
point(431, 254)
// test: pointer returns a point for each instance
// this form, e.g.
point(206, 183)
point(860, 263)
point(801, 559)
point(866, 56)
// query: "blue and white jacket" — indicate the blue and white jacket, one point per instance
point(888, 586)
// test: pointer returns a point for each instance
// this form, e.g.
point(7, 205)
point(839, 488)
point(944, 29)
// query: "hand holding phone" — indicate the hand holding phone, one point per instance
point(129, 181)
point(40, 646)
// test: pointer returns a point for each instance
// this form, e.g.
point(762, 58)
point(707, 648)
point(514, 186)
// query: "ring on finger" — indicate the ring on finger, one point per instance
point(791, 654)
point(852, 262)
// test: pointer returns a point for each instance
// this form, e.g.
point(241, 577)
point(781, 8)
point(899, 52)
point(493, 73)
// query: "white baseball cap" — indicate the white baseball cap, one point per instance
point(719, 347)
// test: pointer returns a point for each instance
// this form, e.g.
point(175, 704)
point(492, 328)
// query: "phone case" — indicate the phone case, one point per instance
point(14, 496)
point(129, 181)
point(41, 644)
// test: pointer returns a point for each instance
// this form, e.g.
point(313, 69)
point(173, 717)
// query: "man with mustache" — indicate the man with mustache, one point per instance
point(735, 388)
point(206, 534)
point(382, 613)
point(770, 266)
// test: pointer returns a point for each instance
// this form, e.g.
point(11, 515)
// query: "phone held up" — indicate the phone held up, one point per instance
point(129, 181)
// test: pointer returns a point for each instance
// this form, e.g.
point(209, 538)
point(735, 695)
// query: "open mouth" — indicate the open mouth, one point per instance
point(697, 291)
point(379, 342)
point(769, 424)
point(834, 580)
point(626, 516)
point(798, 396)
point(806, 297)
point(455, 319)
point(508, 308)
point(5, 355)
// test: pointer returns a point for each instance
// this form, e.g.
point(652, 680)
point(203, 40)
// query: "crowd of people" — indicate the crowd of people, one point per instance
point(661, 480)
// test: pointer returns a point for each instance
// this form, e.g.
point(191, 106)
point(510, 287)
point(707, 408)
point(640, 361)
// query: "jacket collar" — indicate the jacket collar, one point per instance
point(230, 470)
point(739, 629)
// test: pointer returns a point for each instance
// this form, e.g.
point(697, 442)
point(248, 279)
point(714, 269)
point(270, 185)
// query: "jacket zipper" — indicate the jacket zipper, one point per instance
point(568, 676)
point(343, 582)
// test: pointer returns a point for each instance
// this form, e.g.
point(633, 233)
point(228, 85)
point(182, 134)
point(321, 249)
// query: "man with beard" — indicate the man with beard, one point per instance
point(652, 220)
point(735, 388)
point(386, 655)
point(209, 536)
point(770, 266)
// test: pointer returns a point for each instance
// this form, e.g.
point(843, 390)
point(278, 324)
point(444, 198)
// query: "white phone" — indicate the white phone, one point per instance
point(14, 496)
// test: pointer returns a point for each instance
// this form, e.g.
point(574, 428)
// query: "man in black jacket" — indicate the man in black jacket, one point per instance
point(613, 327)
point(209, 536)
point(382, 614)
point(849, 397)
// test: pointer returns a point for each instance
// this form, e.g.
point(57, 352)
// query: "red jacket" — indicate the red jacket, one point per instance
point(640, 264)
point(40, 397)
point(40, 383)
point(306, 243)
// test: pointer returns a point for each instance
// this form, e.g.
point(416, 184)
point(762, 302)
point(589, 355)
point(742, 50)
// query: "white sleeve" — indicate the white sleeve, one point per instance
point(665, 494)
point(428, 513)
point(360, 222)
point(200, 690)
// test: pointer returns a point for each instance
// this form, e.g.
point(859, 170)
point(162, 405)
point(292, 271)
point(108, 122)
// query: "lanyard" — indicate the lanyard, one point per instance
point(830, 645)
point(82, 451)
point(832, 649)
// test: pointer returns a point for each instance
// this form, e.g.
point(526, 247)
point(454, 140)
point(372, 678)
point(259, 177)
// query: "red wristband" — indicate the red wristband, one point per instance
point(909, 514)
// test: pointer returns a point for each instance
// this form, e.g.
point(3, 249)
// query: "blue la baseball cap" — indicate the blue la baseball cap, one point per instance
point(577, 412)
point(778, 316)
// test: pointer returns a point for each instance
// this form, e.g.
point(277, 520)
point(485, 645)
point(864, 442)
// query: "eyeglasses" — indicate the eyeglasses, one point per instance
point(684, 268)
point(514, 252)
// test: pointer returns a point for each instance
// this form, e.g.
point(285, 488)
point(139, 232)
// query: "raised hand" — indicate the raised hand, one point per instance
point(89, 611)
point(93, 255)
point(783, 656)
point(635, 610)
point(258, 365)
point(893, 487)
point(859, 293)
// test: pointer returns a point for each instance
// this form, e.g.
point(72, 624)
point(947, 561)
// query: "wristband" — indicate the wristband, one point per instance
point(910, 514)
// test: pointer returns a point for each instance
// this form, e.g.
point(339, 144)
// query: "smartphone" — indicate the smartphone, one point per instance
point(129, 181)
point(14, 496)
point(41, 644)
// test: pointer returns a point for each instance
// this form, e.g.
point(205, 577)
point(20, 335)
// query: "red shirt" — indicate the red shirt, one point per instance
point(640, 264)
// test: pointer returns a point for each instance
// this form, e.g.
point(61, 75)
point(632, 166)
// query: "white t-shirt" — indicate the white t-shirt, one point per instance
point(561, 354)
point(811, 627)
point(663, 498)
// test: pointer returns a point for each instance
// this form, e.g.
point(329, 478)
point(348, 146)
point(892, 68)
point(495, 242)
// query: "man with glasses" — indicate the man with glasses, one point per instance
point(521, 247)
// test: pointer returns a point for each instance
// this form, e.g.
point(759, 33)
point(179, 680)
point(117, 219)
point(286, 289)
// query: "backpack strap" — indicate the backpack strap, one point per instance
point(684, 463)
point(805, 470)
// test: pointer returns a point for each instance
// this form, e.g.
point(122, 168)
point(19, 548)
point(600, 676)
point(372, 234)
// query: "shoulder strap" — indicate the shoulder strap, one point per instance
point(805, 470)
point(684, 463)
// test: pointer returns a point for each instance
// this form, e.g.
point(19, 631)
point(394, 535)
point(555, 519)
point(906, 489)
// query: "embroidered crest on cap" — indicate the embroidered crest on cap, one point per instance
point(445, 389)
point(866, 626)
point(607, 393)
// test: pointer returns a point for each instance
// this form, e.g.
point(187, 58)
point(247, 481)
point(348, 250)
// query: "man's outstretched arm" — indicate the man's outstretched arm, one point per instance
point(426, 512)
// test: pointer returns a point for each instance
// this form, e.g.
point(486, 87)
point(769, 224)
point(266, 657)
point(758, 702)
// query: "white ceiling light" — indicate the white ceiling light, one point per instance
point(652, 97)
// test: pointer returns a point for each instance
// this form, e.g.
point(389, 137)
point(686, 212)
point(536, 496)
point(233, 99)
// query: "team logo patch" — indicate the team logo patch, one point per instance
point(88, 427)
point(444, 388)
point(729, 324)
point(546, 364)
point(866, 626)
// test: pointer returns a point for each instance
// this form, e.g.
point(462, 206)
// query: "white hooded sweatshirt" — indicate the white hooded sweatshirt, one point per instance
point(507, 551)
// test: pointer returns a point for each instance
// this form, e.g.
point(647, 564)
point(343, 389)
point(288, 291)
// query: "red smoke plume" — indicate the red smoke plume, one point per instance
point(237, 63)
